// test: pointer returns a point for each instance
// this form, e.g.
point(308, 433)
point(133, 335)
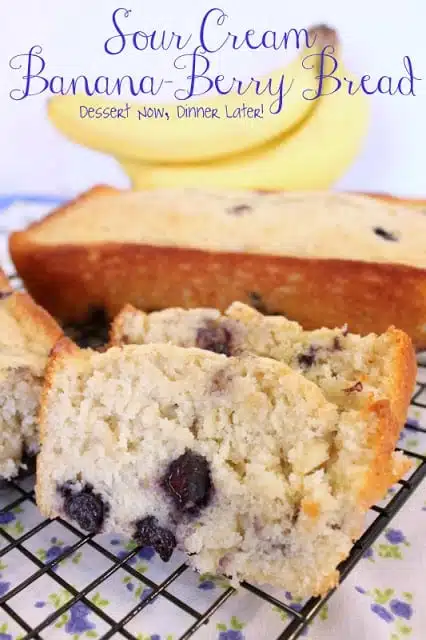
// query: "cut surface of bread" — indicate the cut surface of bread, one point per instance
point(239, 461)
point(352, 371)
point(27, 334)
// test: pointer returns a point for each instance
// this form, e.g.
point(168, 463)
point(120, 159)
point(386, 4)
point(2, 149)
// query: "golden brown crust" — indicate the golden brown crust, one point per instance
point(403, 376)
point(99, 190)
point(406, 202)
point(5, 285)
point(32, 318)
point(116, 333)
point(71, 280)
point(382, 441)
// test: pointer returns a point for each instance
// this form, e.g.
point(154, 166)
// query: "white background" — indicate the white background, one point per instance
point(376, 35)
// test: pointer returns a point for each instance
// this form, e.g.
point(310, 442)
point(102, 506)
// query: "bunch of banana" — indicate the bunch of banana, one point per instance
point(309, 144)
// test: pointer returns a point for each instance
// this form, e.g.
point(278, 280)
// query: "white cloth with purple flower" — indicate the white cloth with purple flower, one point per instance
point(384, 597)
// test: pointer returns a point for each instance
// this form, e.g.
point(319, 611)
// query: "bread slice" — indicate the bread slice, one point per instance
point(27, 334)
point(239, 461)
point(319, 258)
point(351, 370)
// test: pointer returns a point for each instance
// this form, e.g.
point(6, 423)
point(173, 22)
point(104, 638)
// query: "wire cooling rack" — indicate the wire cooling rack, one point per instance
point(119, 626)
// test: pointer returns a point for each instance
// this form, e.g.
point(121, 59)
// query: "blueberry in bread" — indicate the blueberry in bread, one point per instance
point(321, 259)
point(27, 334)
point(239, 461)
point(351, 370)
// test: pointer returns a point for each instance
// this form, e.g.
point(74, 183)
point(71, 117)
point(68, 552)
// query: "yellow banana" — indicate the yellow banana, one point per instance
point(313, 156)
point(177, 140)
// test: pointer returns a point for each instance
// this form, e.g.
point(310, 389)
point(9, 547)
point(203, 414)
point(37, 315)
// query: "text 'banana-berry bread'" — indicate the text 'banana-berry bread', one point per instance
point(351, 370)
point(241, 462)
point(27, 334)
point(320, 258)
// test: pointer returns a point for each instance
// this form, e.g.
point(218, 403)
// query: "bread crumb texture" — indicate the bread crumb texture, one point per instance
point(27, 334)
point(353, 371)
point(240, 461)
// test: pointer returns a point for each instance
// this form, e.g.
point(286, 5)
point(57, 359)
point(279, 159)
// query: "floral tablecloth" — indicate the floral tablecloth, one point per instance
point(384, 597)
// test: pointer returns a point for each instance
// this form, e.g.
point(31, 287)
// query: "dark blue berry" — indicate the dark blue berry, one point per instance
point(240, 209)
point(188, 482)
point(307, 359)
point(85, 507)
point(149, 533)
point(386, 235)
point(214, 338)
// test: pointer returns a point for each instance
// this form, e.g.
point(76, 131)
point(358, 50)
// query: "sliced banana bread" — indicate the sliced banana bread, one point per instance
point(352, 371)
point(27, 334)
point(239, 461)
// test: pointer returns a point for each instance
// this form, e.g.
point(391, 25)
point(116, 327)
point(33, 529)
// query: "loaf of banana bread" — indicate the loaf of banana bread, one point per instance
point(321, 259)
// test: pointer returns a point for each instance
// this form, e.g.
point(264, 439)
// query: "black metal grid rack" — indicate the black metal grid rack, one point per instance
point(297, 620)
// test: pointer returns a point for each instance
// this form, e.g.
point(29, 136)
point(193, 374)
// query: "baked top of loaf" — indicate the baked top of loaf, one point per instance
point(27, 334)
point(306, 225)
point(241, 462)
point(352, 370)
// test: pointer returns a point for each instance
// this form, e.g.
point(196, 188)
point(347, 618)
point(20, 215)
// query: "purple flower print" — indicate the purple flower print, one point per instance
point(78, 622)
point(360, 590)
point(115, 542)
point(394, 536)
point(297, 606)
point(5, 636)
point(401, 609)
point(206, 585)
point(54, 552)
point(146, 553)
point(383, 613)
point(145, 593)
point(368, 553)
point(39, 604)
point(412, 422)
point(231, 635)
point(4, 586)
point(6, 517)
